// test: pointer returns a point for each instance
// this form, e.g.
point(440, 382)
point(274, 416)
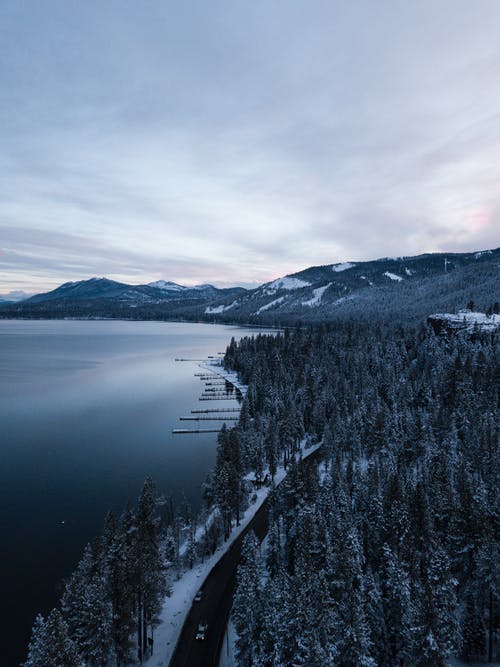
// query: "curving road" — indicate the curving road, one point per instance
point(215, 605)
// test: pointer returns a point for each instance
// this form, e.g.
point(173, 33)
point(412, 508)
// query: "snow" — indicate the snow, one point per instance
point(213, 310)
point(393, 276)
point(342, 267)
point(167, 285)
point(288, 283)
point(477, 255)
point(270, 305)
point(177, 605)
point(470, 318)
point(318, 295)
point(230, 376)
point(228, 652)
point(409, 272)
point(343, 299)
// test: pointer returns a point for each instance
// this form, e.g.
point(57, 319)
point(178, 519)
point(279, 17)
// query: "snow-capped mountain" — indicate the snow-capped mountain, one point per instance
point(419, 285)
point(322, 292)
point(167, 285)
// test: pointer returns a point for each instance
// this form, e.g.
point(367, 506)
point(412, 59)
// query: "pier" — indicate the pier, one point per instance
point(194, 412)
point(217, 388)
point(219, 398)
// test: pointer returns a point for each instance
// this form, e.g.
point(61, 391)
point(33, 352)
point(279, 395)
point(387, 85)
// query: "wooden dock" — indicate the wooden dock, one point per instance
point(218, 398)
point(215, 390)
point(194, 412)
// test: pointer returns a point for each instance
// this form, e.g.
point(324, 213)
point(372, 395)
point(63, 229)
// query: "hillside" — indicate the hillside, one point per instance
point(104, 298)
point(386, 287)
point(412, 287)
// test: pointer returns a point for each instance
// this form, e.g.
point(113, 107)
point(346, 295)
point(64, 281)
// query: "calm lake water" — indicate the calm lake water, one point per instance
point(86, 413)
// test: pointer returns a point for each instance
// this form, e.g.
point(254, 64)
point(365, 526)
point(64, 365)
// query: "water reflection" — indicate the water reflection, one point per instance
point(86, 412)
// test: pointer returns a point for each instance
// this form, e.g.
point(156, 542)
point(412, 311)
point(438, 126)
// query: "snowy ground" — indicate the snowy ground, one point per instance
point(228, 654)
point(176, 607)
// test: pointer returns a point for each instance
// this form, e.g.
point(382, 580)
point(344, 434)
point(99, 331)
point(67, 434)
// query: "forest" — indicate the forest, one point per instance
point(385, 552)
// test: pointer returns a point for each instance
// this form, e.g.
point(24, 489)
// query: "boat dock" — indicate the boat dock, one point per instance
point(218, 398)
point(194, 412)
point(217, 388)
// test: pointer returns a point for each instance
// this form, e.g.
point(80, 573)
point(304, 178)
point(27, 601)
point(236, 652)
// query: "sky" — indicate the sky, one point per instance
point(233, 142)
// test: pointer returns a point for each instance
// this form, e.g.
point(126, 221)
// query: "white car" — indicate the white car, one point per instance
point(200, 633)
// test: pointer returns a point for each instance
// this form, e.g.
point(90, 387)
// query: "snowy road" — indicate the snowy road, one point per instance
point(215, 605)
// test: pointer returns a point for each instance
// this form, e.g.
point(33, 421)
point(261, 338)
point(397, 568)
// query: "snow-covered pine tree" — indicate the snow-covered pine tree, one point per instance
point(246, 612)
point(50, 644)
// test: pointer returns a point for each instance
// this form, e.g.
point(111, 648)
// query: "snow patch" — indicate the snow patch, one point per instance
point(228, 651)
point(318, 295)
point(469, 319)
point(167, 286)
point(288, 283)
point(477, 255)
point(216, 310)
point(342, 267)
point(276, 302)
point(393, 276)
point(409, 272)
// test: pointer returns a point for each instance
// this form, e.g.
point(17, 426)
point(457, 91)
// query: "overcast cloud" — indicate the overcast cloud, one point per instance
point(232, 142)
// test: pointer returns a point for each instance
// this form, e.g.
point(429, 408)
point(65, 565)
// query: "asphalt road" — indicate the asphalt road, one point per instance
point(215, 605)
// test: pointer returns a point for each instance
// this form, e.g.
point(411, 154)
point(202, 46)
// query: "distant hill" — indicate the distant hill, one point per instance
point(13, 297)
point(409, 287)
point(101, 297)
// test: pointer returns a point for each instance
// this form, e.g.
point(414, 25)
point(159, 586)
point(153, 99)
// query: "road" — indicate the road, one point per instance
point(215, 605)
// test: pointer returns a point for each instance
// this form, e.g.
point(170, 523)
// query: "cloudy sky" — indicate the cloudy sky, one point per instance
point(236, 141)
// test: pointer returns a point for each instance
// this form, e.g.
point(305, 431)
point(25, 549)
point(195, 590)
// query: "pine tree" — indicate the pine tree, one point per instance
point(149, 567)
point(50, 644)
point(246, 603)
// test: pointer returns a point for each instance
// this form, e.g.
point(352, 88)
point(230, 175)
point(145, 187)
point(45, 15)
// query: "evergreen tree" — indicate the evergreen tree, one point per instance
point(246, 603)
point(50, 644)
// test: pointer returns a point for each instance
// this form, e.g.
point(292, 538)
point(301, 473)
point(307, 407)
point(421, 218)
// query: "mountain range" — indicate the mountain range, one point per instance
point(414, 285)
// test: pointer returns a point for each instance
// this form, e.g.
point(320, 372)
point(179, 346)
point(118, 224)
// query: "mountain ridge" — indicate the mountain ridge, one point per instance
point(315, 293)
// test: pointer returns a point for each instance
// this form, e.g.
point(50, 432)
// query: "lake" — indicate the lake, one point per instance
point(86, 413)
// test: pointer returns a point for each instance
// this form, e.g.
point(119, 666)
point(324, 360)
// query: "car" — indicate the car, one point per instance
point(198, 596)
point(201, 632)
